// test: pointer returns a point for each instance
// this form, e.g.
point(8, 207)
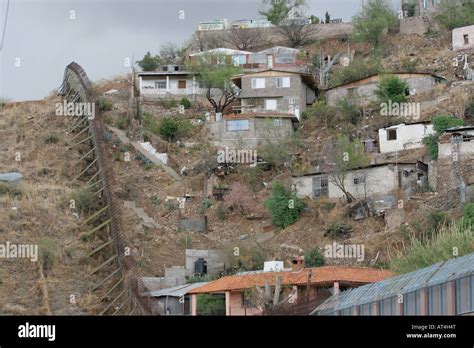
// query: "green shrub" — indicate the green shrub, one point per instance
point(452, 14)
point(172, 128)
point(148, 166)
point(149, 62)
point(122, 122)
point(357, 70)
point(208, 304)
point(205, 204)
point(48, 252)
point(167, 103)
point(104, 104)
point(337, 230)
point(11, 191)
point(419, 254)
point(51, 139)
point(220, 213)
point(392, 88)
point(84, 200)
point(440, 124)
point(350, 111)
point(436, 220)
point(285, 207)
point(185, 102)
point(469, 214)
point(314, 258)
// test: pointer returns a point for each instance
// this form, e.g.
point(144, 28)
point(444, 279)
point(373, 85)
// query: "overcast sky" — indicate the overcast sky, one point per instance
point(42, 39)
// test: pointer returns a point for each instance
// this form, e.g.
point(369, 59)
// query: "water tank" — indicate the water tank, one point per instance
point(200, 266)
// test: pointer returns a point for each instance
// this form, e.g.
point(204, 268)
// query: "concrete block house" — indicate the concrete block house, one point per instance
point(362, 91)
point(404, 136)
point(379, 182)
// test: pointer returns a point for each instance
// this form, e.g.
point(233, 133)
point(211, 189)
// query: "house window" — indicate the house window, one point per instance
point(237, 125)
point(466, 39)
point(352, 92)
point(391, 134)
point(320, 186)
point(359, 179)
point(182, 84)
point(270, 104)
point(277, 122)
point(283, 82)
point(258, 83)
point(160, 84)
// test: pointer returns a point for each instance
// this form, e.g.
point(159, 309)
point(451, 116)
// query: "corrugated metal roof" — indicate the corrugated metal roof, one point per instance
point(438, 273)
point(176, 291)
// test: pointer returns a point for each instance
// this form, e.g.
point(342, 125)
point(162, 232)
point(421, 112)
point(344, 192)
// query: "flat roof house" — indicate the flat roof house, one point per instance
point(463, 38)
point(404, 136)
point(363, 91)
point(322, 281)
point(274, 90)
point(171, 81)
point(377, 181)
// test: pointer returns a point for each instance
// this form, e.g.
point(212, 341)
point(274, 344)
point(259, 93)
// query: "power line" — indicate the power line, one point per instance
point(5, 25)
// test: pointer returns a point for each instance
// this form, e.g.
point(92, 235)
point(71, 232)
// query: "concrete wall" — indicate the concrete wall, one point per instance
point(458, 38)
point(147, 86)
point(414, 25)
point(260, 131)
point(408, 137)
point(214, 258)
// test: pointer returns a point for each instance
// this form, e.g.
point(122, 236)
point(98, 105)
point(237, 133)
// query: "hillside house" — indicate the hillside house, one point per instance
point(277, 57)
point(463, 38)
point(171, 81)
point(454, 177)
point(274, 90)
point(404, 136)
point(239, 290)
point(251, 129)
point(379, 182)
point(362, 91)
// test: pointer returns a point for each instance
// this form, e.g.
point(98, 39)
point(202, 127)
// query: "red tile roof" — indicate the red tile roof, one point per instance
point(320, 275)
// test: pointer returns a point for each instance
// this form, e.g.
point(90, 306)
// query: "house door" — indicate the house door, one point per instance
point(320, 186)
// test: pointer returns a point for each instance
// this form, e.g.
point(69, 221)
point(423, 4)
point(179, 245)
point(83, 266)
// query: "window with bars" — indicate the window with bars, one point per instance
point(160, 84)
point(320, 186)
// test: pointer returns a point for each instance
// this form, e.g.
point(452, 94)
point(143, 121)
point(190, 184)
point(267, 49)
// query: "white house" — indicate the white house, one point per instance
point(404, 136)
point(171, 81)
point(463, 38)
point(377, 181)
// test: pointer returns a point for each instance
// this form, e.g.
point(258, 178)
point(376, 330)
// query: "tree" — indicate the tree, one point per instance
point(376, 17)
point(314, 19)
point(284, 206)
point(327, 17)
point(269, 299)
point(314, 258)
point(216, 80)
point(392, 89)
point(455, 13)
point(244, 38)
point(344, 157)
point(289, 18)
point(149, 62)
point(171, 53)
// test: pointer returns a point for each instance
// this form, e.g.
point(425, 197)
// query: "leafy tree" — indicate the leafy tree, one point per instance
point(345, 156)
point(171, 53)
point(327, 17)
point(244, 38)
point(284, 206)
point(314, 19)
point(455, 13)
point(470, 111)
point(391, 88)
point(172, 128)
point(287, 16)
point(314, 258)
point(375, 18)
point(216, 79)
point(440, 124)
point(351, 111)
point(357, 70)
point(149, 62)
point(185, 102)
